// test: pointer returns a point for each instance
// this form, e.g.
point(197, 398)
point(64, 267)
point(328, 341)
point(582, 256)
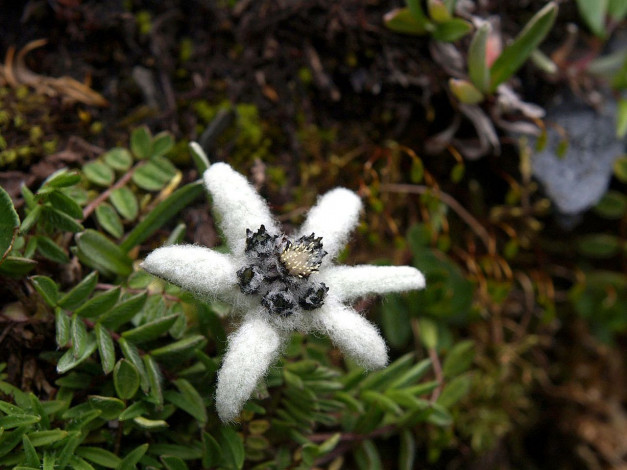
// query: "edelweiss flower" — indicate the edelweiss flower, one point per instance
point(280, 283)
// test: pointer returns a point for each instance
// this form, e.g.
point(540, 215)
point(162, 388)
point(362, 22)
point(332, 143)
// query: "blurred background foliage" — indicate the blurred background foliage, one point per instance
point(452, 120)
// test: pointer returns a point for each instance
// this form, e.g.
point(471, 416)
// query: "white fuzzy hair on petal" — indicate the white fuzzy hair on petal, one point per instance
point(333, 218)
point(238, 205)
point(252, 349)
point(351, 282)
point(353, 334)
point(200, 270)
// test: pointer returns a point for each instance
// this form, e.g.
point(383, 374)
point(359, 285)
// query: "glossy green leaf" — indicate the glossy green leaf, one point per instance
point(62, 178)
point(593, 14)
point(68, 361)
point(60, 220)
point(79, 293)
point(110, 407)
point(99, 252)
point(99, 303)
point(514, 55)
point(154, 378)
point(400, 20)
point(47, 288)
point(151, 330)
point(132, 354)
point(118, 158)
point(125, 379)
point(232, 447)
point(50, 250)
point(64, 203)
point(106, 348)
point(44, 438)
point(99, 456)
point(9, 223)
point(99, 174)
point(124, 202)
point(62, 328)
point(124, 311)
point(141, 142)
point(78, 334)
point(459, 359)
point(179, 349)
point(132, 458)
point(478, 70)
point(452, 30)
point(109, 219)
point(162, 143)
point(161, 214)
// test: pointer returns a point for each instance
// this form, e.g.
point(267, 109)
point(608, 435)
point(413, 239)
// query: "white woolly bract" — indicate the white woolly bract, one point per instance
point(252, 349)
point(238, 205)
point(205, 272)
point(353, 334)
point(351, 282)
point(333, 218)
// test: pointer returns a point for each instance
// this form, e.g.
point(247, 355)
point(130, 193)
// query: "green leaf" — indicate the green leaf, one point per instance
point(412, 375)
point(593, 13)
point(79, 464)
point(438, 11)
point(64, 203)
point(367, 456)
point(62, 327)
point(109, 219)
point(68, 361)
point(415, 8)
point(179, 349)
point(232, 447)
point(194, 399)
point(174, 463)
point(151, 330)
point(62, 178)
point(400, 20)
point(80, 292)
point(99, 456)
point(31, 219)
point(381, 401)
point(13, 421)
point(125, 379)
point(211, 451)
point(49, 460)
point(162, 213)
point(141, 142)
point(152, 176)
point(44, 438)
point(14, 266)
point(428, 333)
point(9, 223)
point(395, 321)
point(73, 441)
point(11, 439)
point(124, 202)
point(136, 409)
point(132, 458)
point(99, 252)
point(452, 30)
point(154, 377)
point(477, 65)
point(106, 348)
point(620, 169)
point(613, 205)
point(124, 311)
point(132, 354)
point(465, 91)
point(621, 118)
point(38, 409)
point(439, 416)
point(79, 336)
point(514, 55)
point(47, 288)
point(31, 458)
point(99, 303)
point(200, 158)
point(162, 143)
point(455, 390)
point(459, 359)
point(50, 250)
point(118, 158)
point(109, 407)
point(99, 174)
point(599, 245)
point(407, 452)
point(617, 9)
point(60, 220)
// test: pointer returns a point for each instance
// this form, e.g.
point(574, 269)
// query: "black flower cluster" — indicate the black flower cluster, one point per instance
point(279, 271)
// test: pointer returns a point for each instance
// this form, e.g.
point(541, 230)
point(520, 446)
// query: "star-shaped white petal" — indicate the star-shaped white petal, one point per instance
point(256, 344)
